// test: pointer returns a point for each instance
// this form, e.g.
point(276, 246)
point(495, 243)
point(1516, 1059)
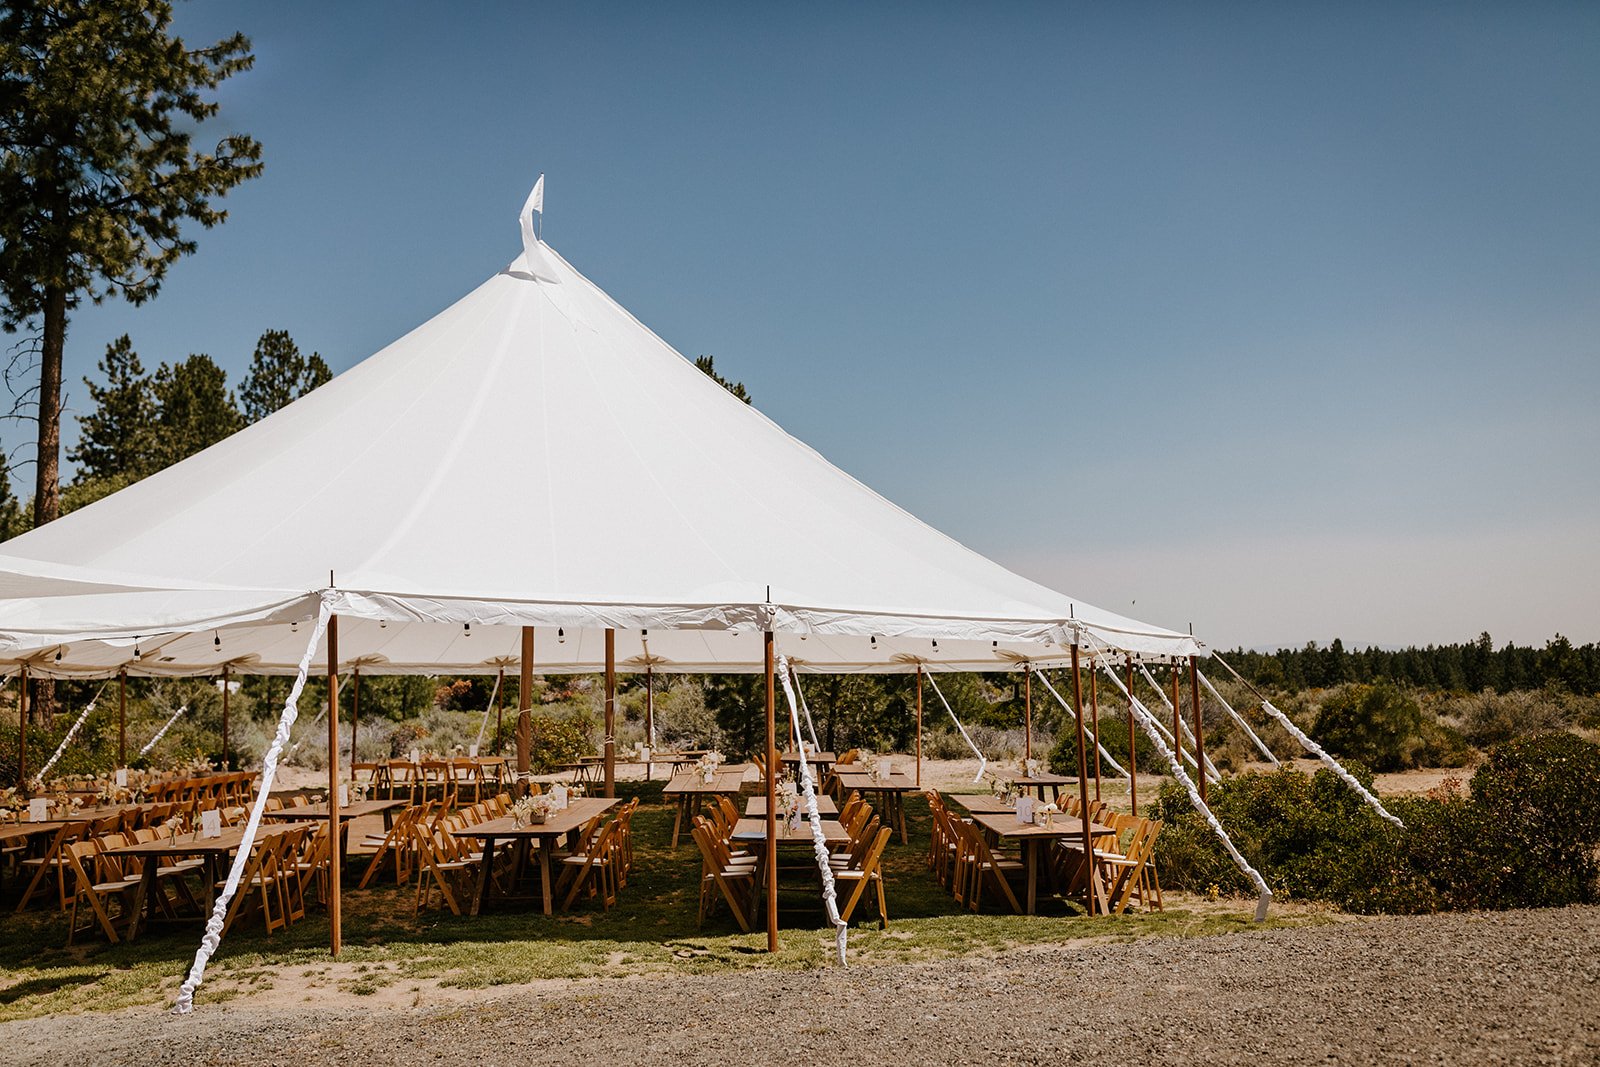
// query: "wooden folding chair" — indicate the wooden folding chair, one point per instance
point(53, 860)
point(593, 868)
point(979, 863)
point(868, 872)
point(262, 882)
point(81, 857)
point(439, 860)
point(734, 881)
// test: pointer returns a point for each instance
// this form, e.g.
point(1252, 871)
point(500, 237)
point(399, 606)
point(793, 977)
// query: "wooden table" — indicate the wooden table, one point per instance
point(1035, 838)
point(756, 807)
point(689, 790)
point(562, 824)
point(211, 849)
point(1040, 782)
point(891, 793)
point(353, 810)
point(818, 761)
point(987, 803)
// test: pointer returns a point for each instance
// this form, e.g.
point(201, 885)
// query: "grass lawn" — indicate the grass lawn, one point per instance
point(652, 930)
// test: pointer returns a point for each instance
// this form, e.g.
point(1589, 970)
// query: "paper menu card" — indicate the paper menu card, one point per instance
point(1025, 809)
point(211, 823)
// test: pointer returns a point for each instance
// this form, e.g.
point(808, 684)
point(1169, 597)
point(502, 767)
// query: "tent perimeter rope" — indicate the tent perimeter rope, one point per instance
point(983, 761)
point(38, 779)
point(819, 844)
point(163, 731)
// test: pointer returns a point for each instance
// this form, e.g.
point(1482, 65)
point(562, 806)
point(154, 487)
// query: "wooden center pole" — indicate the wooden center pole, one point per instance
point(919, 726)
point(611, 712)
point(1133, 747)
point(227, 764)
point(1091, 880)
point(22, 736)
point(335, 849)
point(355, 718)
point(499, 697)
point(122, 717)
point(772, 799)
point(1027, 711)
point(525, 711)
point(1094, 713)
point(649, 719)
point(1199, 726)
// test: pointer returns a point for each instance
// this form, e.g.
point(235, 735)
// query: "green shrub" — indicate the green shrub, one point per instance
point(1524, 836)
point(553, 741)
point(1063, 758)
point(1385, 728)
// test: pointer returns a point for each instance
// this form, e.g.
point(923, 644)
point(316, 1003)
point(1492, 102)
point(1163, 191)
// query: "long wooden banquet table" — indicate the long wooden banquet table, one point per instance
point(347, 813)
point(565, 823)
point(215, 851)
point(756, 807)
point(689, 790)
point(1000, 820)
point(890, 791)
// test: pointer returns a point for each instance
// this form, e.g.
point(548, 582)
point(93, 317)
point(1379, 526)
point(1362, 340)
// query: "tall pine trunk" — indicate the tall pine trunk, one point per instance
point(47, 486)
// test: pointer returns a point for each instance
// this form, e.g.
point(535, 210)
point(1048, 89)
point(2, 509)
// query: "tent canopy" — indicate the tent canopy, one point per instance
point(531, 456)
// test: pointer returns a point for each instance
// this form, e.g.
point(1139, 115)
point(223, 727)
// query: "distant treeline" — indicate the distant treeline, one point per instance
point(1471, 667)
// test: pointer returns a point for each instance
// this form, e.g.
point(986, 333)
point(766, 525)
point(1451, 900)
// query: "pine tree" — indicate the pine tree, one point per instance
point(196, 408)
point(98, 175)
point(279, 375)
point(116, 437)
point(709, 366)
point(13, 520)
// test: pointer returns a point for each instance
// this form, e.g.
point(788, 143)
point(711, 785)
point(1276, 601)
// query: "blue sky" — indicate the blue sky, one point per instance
point(1280, 320)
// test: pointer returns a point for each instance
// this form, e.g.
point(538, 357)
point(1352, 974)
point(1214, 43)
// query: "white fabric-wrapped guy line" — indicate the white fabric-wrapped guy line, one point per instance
point(148, 745)
point(819, 844)
point(983, 761)
point(38, 779)
point(269, 769)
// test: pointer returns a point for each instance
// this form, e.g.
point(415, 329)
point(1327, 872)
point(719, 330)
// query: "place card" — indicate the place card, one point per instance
point(644, 753)
point(211, 823)
point(39, 809)
point(344, 795)
point(559, 794)
point(122, 778)
point(416, 755)
point(472, 750)
point(1025, 809)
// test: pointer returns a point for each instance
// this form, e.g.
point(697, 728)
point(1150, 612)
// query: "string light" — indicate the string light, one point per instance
point(561, 636)
point(466, 629)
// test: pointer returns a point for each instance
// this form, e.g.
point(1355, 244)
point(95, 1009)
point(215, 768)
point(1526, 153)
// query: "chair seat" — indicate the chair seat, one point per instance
point(853, 876)
point(181, 867)
point(117, 886)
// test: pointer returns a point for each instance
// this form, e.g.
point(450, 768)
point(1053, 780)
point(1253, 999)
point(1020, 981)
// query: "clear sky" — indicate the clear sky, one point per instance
point(1278, 319)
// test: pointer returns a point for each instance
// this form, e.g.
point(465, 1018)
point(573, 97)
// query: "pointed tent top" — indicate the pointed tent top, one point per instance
point(535, 259)
point(629, 490)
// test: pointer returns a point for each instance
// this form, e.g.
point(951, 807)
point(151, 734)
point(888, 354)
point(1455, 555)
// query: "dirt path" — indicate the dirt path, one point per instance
point(1519, 987)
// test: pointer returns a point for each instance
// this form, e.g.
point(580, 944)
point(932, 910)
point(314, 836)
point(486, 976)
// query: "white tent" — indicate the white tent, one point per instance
point(531, 456)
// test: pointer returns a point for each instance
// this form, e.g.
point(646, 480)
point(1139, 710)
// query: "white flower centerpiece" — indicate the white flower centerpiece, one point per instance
point(1002, 787)
point(708, 765)
point(788, 809)
point(1030, 768)
point(534, 810)
point(1045, 814)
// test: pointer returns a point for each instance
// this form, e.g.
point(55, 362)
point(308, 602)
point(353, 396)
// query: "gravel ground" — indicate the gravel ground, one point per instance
point(1517, 987)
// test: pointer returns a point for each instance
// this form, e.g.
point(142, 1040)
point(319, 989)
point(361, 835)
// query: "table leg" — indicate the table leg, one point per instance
point(900, 814)
point(482, 896)
point(545, 845)
point(1033, 874)
point(144, 897)
point(388, 819)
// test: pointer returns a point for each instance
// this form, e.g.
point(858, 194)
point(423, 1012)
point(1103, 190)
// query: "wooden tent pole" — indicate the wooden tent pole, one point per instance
point(919, 726)
point(355, 717)
point(335, 849)
point(525, 711)
point(499, 689)
point(22, 735)
point(1091, 877)
point(1199, 727)
point(1027, 711)
point(1094, 713)
point(772, 800)
point(611, 712)
point(649, 718)
point(122, 717)
point(1133, 747)
point(227, 764)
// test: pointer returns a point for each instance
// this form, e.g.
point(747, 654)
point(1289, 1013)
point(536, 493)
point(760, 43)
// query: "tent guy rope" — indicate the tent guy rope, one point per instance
point(1243, 725)
point(148, 745)
point(241, 858)
point(1068, 708)
point(1312, 747)
point(819, 844)
point(487, 708)
point(983, 761)
point(38, 779)
point(1188, 734)
point(1145, 719)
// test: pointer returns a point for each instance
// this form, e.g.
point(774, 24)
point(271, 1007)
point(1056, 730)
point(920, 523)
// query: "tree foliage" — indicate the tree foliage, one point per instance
point(279, 375)
point(708, 364)
point(98, 172)
point(116, 436)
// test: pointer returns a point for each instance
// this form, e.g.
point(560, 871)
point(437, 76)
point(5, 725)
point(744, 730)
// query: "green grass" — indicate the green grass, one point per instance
point(652, 930)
